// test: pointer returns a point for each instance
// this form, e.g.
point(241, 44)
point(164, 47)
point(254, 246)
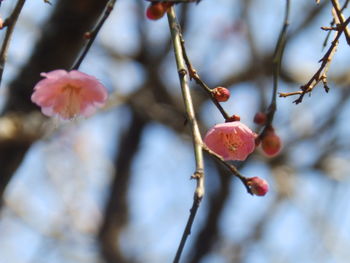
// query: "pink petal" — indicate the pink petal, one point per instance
point(232, 140)
point(69, 94)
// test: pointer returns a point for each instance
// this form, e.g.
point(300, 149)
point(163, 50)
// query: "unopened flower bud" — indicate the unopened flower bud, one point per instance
point(221, 94)
point(258, 186)
point(233, 118)
point(87, 35)
point(260, 118)
point(156, 11)
point(271, 143)
point(1, 23)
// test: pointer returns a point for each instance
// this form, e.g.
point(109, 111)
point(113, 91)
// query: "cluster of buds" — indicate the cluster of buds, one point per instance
point(156, 10)
point(270, 142)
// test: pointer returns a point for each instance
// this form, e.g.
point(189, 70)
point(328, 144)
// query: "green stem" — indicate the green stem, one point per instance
point(197, 138)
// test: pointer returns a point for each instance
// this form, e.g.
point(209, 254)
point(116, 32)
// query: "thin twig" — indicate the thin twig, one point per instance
point(325, 42)
point(341, 18)
point(194, 75)
point(10, 23)
point(276, 64)
point(230, 167)
point(92, 34)
point(197, 139)
point(321, 73)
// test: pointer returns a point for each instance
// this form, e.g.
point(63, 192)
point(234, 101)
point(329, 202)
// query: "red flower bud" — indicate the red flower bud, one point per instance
point(260, 118)
point(271, 143)
point(87, 35)
point(258, 186)
point(221, 94)
point(233, 118)
point(156, 11)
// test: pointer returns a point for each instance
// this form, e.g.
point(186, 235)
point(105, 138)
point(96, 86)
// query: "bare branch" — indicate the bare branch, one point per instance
point(10, 23)
point(91, 36)
point(197, 139)
point(321, 73)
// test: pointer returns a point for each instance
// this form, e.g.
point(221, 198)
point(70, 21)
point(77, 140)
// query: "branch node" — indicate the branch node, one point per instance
point(182, 72)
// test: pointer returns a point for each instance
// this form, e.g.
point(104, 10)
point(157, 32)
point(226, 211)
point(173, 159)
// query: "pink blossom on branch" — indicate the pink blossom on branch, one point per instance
point(231, 140)
point(69, 94)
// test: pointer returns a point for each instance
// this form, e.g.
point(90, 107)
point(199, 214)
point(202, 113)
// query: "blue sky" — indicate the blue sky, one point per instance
point(56, 199)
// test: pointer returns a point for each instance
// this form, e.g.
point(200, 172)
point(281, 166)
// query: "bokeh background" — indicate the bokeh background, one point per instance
point(115, 188)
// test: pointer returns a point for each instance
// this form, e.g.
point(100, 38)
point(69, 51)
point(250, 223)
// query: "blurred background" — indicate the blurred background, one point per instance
point(116, 187)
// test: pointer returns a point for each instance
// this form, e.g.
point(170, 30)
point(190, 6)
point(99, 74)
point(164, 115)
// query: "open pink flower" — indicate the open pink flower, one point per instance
point(69, 94)
point(231, 140)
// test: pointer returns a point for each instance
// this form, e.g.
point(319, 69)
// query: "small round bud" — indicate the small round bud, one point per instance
point(233, 118)
point(258, 186)
point(87, 35)
point(156, 11)
point(271, 143)
point(260, 118)
point(1, 23)
point(221, 94)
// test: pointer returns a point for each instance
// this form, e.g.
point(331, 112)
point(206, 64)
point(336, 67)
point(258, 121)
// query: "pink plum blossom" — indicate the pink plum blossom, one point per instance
point(231, 140)
point(69, 94)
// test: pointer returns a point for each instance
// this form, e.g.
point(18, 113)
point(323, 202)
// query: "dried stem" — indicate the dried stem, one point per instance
point(10, 23)
point(92, 34)
point(321, 73)
point(197, 139)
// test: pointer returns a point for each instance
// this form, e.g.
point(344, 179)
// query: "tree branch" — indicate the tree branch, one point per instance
point(10, 24)
point(197, 139)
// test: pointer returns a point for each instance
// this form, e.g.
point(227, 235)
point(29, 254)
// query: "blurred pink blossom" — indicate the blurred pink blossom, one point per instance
point(231, 140)
point(69, 94)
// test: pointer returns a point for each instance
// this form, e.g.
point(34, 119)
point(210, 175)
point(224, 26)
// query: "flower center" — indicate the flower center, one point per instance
point(232, 141)
point(72, 100)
